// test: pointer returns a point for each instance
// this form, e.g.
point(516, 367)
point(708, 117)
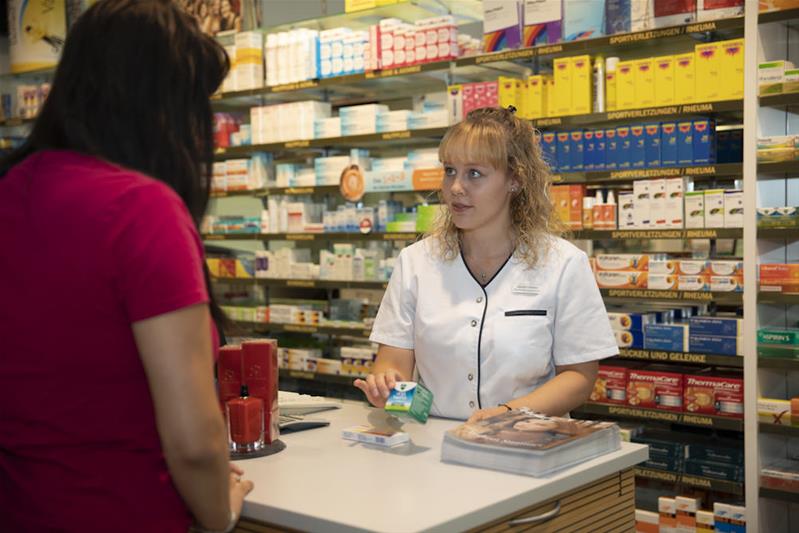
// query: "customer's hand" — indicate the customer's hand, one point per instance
point(377, 386)
point(487, 413)
point(239, 488)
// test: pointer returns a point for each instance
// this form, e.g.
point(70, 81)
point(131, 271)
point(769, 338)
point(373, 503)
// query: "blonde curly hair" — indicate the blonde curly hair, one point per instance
point(496, 137)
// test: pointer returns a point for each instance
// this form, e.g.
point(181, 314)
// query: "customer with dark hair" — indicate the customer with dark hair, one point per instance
point(108, 413)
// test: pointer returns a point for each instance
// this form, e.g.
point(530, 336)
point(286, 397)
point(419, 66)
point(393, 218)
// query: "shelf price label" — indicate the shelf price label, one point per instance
point(297, 374)
point(300, 236)
point(307, 284)
point(396, 135)
point(387, 73)
point(308, 84)
point(399, 236)
point(299, 190)
point(300, 329)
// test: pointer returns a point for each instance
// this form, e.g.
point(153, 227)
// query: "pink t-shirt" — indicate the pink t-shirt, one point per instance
point(86, 249)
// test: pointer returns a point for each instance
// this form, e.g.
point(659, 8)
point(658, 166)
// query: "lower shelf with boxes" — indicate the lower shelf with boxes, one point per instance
point(683, 514)
point(661, 272)
point(672, 388)
point(662, 203)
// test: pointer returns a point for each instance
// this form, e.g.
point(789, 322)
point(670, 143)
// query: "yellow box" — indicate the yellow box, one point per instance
point(610, 90)
point(664, 80)
point(549, 96)
point(507, 92)
point(359, 5)
point(625, 85)
point(581, 85)
point(560, 199)
point(536, 101)
point(685, 78)
point(521, 99)
point(732, 69)
point(708, 72)
point(563, 86)
point(644, 83)
point(213, 266)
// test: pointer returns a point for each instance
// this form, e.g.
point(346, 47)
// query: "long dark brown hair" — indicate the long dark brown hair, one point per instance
point(132, 87)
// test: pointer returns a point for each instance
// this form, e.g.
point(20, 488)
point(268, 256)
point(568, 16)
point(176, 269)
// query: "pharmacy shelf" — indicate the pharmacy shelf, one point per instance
point(415, 78)
point(722, 298)
point(779, 170)
point(317, 237)
point(778, 16)
point(704, 171)
point(232, 194)
point(658, 415)
point(303, 283)
point(779, 100)
point(778, 233)
point(649, 113)
point(781, 363)
point(690, 480)
point(775, 494)
point(612, 42)
point(766, 297)
point(777, 429)
point(399, 138)
point(657, 356)
point(265, 328)
point(681, 234)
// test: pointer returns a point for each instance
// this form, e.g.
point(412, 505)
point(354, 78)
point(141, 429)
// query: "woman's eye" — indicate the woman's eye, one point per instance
point(450, 172)
point(475, 174)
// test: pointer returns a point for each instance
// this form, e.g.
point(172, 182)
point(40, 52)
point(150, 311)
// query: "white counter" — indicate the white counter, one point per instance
point(322, 482)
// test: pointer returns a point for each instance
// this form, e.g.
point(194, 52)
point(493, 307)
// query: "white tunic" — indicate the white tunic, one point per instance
point(478, 347)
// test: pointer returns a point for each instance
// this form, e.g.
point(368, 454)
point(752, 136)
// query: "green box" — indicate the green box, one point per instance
point(778, 336)
point(411, 400)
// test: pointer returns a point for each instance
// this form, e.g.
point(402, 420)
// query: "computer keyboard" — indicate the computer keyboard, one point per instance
point(290, 423)
point(292, 403)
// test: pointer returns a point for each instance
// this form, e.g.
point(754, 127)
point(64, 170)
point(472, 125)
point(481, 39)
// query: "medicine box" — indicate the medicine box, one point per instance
point(628, 321)
point(717, 326)
point(779, 336)
point(668, 144)
point(704, 142)
point(610, 385)
point(372, 435)
point(714, 208)
point(576, 151)
point(708, 72)
point(626, 210)
point(581, 85)
point(652, 150)
point(625, 85)
point(621, 280)
point(563, 86)
point(633, 338)
point(637, 147)
point(733, 208)
point(732, 69)
point(668, 337)
point(611, 149)
point(674, 202)
point(502, 25)
point(685, 143)
point(657, 203)
point(644, 83)
point(564, 147)
point(664, 80)
point(774, 411)
point(642, 207)
point(662, 282)
point(695, 209)
point(542, 22)
point(770, 76)
point(655, 389)
point(714, 470)
point(623, 147)
point(714, 344)
point(622, 262)
point(684, 79)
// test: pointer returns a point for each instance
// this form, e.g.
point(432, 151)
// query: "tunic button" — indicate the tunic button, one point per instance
point(479, 299)
point(471, 404)
point(474, 323)
point(471, 377)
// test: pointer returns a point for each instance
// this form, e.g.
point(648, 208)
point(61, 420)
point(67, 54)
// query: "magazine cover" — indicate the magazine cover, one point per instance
point(522, 428)
point(522, 441)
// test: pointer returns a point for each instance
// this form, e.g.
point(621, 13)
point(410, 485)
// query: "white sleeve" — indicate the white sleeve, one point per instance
point(582, 330)
point(393, 325)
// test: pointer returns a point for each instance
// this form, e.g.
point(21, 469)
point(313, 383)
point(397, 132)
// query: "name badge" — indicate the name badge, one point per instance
point(525, 289)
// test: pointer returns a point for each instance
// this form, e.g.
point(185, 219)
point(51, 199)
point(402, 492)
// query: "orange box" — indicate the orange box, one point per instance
point(795, 411)
point(621, 280)
point(227, 268)
point(610, 385)
point(560, 198)
point(655, 390)
point(714, 395)
point(779, 272)
point(622, 262)
point(575, 217)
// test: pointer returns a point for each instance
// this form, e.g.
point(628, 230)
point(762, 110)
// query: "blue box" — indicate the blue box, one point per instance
point(652, 132)
point(577, 150)
point(564, 151)
point(620, 320)
point(716, 326)
point(611, 149)
point(668, 144)
point(736, 146)
point(599, 149)
point(669, 337)
point(623, 147)
point(723, 146)
point(704, 142)
point(618, 16)
point(714, 344)
point(685, 143)
point(589, 151)
point(549, 148)
point(637, 147)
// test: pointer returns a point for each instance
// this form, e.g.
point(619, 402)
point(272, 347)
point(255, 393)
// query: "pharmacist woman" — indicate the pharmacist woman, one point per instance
point(492, 309)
